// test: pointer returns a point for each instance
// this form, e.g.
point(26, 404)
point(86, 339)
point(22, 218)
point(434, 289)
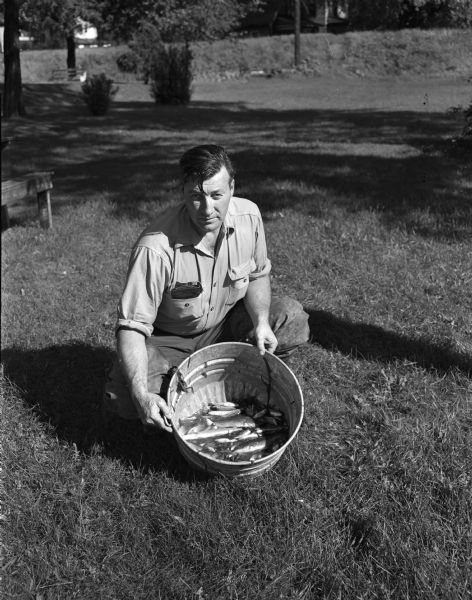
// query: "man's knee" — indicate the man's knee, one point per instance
point(289, 322)
point(158, 366)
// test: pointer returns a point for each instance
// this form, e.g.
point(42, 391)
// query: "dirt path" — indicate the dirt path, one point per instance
point(428, 95)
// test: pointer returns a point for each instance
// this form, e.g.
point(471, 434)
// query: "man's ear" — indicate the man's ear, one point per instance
point(231, 185)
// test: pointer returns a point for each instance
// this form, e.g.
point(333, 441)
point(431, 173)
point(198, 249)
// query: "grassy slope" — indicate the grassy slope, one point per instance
point(432, 53)
point(407, 52)
point(373, 499)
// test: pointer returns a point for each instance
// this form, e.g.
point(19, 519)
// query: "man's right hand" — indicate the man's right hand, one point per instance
point(152, 409)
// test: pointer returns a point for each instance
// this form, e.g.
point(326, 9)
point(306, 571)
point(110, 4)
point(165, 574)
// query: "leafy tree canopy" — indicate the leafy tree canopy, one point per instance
point(176, 20)
point(397, 14)
point(51, 21)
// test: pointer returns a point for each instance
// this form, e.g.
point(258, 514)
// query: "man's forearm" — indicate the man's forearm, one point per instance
point(133, 360)
point(257, 300)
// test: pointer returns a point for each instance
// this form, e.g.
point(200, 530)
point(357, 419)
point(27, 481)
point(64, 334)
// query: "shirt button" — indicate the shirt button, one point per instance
point(214, 285)
point(187, 304)
point(212, 308)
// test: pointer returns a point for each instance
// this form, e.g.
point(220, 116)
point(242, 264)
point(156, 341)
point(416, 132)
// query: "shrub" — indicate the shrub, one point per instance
point(146, 45)
point(98, 92)
point(127, 62)
point(171, 74)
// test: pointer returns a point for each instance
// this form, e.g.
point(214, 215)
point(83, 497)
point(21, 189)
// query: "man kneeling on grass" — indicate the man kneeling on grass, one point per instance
point(197, 276)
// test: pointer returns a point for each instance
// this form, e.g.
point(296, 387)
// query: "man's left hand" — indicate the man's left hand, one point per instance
point(264, 338)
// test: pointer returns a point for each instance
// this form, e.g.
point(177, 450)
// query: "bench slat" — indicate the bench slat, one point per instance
point(27, 185)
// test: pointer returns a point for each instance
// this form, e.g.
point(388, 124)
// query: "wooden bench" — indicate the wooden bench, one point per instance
point(67, 74)
point(19, 188)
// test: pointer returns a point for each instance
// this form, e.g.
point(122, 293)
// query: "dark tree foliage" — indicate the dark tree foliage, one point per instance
point(122, 18)
point(53, 22)
point(398, 14)
point(177, 20)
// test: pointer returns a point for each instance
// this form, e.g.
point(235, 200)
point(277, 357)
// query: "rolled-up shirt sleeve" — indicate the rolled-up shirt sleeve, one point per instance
point(146, 280)
point(263, 264)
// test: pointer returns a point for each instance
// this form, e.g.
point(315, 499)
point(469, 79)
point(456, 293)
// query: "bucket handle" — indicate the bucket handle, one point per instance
point(269, 377)
point(181, 387)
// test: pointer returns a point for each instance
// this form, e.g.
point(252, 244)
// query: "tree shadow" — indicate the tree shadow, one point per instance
point(394, 162)
point(370, 342)
point(63, 384)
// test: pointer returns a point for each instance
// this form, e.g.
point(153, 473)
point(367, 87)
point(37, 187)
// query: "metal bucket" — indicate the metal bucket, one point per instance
point(233, 371)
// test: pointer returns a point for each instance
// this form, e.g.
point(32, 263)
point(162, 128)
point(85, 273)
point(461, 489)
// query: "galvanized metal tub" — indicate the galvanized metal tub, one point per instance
point(233, 371)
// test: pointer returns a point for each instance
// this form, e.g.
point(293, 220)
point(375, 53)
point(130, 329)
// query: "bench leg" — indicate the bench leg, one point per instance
point(44, 209)
point(5, 217)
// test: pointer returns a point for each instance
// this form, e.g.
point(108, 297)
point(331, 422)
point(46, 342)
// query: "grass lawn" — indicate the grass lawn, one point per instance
point(369, 224)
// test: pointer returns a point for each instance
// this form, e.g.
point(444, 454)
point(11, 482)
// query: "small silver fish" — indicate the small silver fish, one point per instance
point(201, 424)
point(224, 440)
point(276, 446)
point(223, 414)
point(244, 457)
point(247, 434)
point(271, 420)
point(188, 420)
point(195, 447)
point(187, 423)
point(256, 456)
point(259, 414)
point(224, 406)
point(209, 432)
point(195, 428)
point(250, 446)
point(239, 421)
point(208, 448)
point(250, 410)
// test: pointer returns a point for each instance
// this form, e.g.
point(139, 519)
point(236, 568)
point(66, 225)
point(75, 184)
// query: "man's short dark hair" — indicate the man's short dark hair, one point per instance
point(203, 162)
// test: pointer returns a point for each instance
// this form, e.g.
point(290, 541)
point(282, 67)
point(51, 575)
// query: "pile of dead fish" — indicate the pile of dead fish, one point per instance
point(236, 431)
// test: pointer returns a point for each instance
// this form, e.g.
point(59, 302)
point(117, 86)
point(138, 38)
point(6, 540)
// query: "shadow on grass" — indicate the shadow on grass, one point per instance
point(63, 384)
point(370, 342)
point(393, 162)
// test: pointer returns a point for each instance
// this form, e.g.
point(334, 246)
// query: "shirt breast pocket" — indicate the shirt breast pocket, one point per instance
point(238, 280)
point(187, 309)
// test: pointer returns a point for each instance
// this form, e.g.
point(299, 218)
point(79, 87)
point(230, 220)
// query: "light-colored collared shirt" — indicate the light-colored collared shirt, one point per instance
point(170, 253)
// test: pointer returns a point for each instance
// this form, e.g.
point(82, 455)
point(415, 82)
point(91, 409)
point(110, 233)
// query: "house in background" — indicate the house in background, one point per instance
point(277, 17)
point(331, 16)
point(24, 38)
point(85, 34)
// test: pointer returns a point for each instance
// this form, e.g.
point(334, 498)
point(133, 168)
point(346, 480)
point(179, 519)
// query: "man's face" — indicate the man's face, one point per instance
point(207, 204)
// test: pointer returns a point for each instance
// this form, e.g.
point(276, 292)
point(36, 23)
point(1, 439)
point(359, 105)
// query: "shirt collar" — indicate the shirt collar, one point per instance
point(229, 221)
point(187, 236)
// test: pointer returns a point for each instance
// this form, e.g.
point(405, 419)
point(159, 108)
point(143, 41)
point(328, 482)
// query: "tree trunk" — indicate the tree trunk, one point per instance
point(326, 16)
point(13, 94)
point(71, 66)
point(297, 33)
